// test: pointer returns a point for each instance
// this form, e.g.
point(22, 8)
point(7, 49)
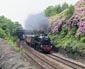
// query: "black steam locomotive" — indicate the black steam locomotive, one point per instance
point(40, 42)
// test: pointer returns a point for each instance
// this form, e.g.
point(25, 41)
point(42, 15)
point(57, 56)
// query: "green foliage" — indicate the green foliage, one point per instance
point(7, 30)
point(74, 30)
point(58, 9)
point(82, 39)
point(2, 33)
point(70, 11)
point(8, 27)
point(63, 38)
point(50, 11)
point(64, 31)
point(10, 42)
point(53, 10)
point(68, 42)
point(65, 6)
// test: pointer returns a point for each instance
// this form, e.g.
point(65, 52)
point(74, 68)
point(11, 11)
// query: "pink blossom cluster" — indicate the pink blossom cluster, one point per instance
point(73, 21)
point(56, 26)
point(82, 27)
point(76, 21)
point(54, 30)
point(68, 22)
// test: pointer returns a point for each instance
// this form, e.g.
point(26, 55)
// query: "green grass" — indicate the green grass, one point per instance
point(12, 43)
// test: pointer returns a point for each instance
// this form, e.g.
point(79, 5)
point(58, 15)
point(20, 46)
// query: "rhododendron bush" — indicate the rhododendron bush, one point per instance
point(70, 32)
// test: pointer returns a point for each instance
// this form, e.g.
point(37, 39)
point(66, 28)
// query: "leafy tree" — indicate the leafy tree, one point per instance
point(53, 10)
point(64, 6)
point(58, 9)
point(50, 11)
point(8, 27)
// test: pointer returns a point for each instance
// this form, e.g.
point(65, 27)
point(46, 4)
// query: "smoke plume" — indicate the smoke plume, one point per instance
point(37, 22)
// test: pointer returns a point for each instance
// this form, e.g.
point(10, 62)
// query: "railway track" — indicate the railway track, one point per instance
point(71, 63)
point(50, 61)
point(41, 59)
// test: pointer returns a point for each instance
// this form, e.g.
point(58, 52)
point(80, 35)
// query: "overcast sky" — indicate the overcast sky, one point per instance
point(19, 10)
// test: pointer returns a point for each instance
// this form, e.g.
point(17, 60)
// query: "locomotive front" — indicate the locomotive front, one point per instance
point(46, 45)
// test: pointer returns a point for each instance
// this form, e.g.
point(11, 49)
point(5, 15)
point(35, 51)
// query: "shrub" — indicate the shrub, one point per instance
point(70, 11)
point(82, 39)
point(2, 33)
point(65, 6)
point(53, 10)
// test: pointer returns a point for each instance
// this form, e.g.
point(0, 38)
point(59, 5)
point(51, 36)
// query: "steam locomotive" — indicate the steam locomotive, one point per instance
point(40, 42)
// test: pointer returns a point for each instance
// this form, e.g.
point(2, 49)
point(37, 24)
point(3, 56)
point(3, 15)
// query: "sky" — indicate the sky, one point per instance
point(19, 10)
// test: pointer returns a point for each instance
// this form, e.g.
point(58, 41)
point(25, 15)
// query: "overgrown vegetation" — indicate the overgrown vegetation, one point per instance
point(53, 10)
point(70, 43)
point(66, 38)
point(7, 30)
point(70, 11)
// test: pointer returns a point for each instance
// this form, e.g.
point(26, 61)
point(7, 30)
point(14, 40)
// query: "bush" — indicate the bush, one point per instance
point(53, 10)
point(64, 31)
point(82, 39)
point(50, 11)
point(70, 11)
point(2, 33)
point(65, 6)
point(10, 42)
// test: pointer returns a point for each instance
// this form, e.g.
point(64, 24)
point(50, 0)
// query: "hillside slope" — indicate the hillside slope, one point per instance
point(69, 33)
